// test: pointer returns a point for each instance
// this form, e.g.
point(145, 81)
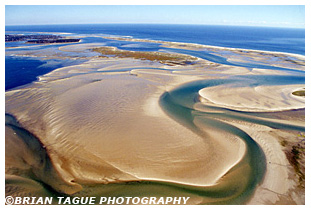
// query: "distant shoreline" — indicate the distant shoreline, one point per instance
point(201, 32)
point(39, 39)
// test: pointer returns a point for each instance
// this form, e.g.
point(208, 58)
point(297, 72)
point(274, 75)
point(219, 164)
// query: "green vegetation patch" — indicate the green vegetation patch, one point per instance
point(166, 58)
point(299, 93)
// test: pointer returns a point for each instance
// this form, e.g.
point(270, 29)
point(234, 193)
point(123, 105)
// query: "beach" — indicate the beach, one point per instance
point(156, 124)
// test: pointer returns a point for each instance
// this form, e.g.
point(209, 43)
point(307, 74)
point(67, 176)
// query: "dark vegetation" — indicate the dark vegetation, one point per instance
point(299, 93)
point(296, 156)
point(39, 39)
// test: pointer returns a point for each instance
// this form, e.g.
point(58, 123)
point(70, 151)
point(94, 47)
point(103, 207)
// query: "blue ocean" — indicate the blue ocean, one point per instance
point(22, 70)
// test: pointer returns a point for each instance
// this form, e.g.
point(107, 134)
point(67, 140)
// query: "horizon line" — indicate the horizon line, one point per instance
point(263, 26)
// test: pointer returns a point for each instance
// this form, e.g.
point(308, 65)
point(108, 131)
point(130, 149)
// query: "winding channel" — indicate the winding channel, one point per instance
point(180, 102)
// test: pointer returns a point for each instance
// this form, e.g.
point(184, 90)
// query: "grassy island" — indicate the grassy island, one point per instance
point(164, 58)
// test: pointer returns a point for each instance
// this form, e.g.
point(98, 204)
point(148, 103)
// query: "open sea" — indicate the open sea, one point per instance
point(23, 70)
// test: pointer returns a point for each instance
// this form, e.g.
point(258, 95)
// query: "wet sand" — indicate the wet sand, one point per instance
point(101, 124)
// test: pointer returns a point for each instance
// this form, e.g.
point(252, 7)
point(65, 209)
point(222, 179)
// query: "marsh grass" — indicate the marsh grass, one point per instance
point(299, 93)
point(165, 58)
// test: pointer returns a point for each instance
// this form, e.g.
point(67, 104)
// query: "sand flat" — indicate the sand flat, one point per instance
point(101, 122)
point(104, 120)
point(259, 98)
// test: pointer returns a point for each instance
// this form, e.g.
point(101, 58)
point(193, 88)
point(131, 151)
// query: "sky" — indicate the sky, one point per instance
point(292, 16)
